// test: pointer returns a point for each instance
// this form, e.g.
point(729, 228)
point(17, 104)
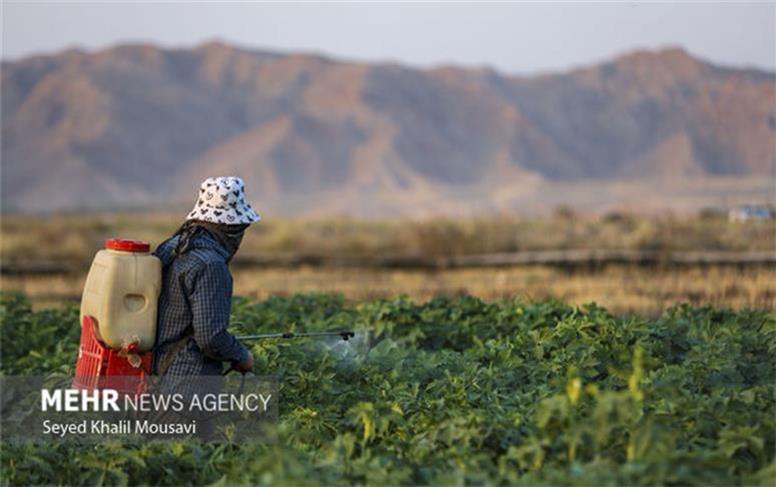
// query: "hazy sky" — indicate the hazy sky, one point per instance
point(514, 37)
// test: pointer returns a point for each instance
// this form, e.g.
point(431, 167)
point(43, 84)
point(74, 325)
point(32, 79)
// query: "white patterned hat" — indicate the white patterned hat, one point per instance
point(222, 200)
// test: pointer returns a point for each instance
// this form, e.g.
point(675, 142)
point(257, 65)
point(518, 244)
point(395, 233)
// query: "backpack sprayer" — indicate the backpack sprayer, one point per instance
point(118, 319)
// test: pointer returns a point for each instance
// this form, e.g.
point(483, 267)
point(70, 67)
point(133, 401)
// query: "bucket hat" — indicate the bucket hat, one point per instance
point(222, 200)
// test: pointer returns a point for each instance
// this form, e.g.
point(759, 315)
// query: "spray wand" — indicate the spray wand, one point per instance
point(345, 335)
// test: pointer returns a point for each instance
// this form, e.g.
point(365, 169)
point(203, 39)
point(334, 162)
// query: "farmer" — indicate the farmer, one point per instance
point(192, 337)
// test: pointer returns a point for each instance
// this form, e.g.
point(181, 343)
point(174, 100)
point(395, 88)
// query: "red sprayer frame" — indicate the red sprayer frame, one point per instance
point(100, 367)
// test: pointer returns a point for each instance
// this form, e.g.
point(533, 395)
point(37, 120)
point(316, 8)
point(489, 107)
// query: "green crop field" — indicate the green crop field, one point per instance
point(456, 391)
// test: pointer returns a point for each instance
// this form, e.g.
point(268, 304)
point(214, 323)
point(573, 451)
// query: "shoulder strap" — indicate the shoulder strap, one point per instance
point(170, 356)
point(177, 347)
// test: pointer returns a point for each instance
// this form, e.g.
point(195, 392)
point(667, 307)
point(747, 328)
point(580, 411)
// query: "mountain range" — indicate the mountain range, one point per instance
point(137, 126)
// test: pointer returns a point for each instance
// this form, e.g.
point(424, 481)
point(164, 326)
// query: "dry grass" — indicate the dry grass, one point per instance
point(70, 241)
point(622, 289)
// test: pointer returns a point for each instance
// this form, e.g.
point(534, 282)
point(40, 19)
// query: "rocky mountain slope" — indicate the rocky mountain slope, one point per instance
point(138, 126)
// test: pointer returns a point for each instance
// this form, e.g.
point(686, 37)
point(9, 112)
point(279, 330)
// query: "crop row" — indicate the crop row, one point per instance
point(455, 391)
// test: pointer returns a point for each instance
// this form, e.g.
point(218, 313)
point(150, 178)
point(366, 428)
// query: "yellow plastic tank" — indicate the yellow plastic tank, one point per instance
point(122, 293)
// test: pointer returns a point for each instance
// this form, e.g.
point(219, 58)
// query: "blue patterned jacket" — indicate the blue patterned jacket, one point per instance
point(196, 300)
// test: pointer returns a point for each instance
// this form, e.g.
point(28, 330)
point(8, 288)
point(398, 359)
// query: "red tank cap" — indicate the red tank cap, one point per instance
point(127, 245)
